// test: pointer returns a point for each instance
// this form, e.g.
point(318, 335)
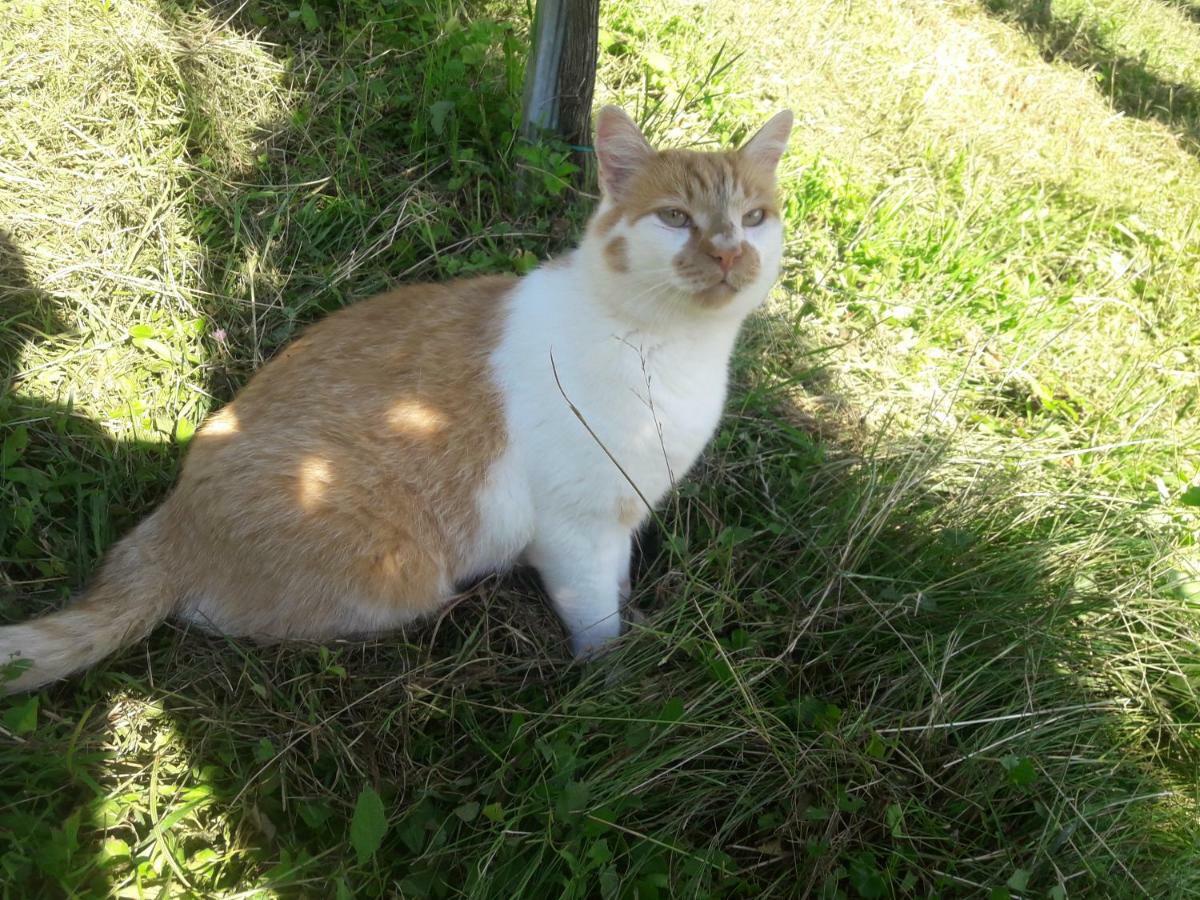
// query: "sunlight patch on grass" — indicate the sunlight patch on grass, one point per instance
point(111, 116)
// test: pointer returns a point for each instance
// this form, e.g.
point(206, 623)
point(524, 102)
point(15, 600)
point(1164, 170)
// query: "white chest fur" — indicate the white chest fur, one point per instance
point(645, 404)
point(599, 410)
point(602, 416)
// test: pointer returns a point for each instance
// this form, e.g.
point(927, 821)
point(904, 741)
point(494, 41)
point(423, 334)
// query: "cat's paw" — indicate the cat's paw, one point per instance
point(596, 640)
point(590, 646)
point(590, 651)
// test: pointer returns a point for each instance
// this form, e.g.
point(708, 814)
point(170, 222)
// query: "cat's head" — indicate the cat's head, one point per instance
point(700, 230)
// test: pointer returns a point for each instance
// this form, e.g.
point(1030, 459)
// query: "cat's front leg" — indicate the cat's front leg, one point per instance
point(583, 565)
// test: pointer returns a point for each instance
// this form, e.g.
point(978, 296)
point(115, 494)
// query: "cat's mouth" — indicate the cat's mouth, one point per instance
point(717, 285)
point(718, 293)
point(731, 281)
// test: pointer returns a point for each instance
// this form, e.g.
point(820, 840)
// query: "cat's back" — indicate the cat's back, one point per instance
point(336, 492)
point(392, 390)
point(440, 332)
point(422, 344)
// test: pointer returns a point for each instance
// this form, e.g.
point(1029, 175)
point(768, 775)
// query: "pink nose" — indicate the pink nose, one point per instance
point(726, 258)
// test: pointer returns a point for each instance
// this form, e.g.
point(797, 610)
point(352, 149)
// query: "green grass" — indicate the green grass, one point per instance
point(925, 621)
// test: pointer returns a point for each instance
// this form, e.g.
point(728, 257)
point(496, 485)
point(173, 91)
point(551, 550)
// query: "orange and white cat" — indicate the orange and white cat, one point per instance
point(416, 440)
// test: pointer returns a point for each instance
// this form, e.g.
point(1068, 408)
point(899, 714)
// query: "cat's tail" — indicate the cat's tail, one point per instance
point(132, 594)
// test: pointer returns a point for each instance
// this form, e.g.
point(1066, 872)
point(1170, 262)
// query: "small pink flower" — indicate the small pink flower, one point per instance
point(219, 335)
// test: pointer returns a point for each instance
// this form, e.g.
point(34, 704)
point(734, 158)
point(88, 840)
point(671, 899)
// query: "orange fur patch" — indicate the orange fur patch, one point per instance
point(313, 479)
point(616, 254)
point(701, 181)
point(411, 417)
point(607, 220)
point(337, 492)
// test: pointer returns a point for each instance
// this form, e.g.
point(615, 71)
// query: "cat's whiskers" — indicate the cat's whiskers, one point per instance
point(653, 288)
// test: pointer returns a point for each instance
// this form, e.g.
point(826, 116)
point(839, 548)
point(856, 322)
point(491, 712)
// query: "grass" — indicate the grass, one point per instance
point(923, 622)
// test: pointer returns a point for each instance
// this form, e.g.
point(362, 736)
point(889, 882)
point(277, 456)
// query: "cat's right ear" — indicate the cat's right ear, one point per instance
point(621, 149)
point(768, 144)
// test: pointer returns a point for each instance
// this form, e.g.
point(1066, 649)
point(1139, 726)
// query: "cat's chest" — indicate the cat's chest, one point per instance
point(657, 406)
point(592, 404)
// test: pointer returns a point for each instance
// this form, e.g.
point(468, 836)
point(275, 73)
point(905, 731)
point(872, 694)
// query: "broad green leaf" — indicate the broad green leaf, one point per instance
point(1020, 770)
point(672, 710)
point(13, 446)
point(468, 811)
point(25, 475)
point(114, 848)
point(494, 811)
point(573, 800)
point(22, 718)
point(610, 883)
point(369, 824)
point(158, 348)
point(732, 535)
point(867, 879)
point(308, 16)
point(894, 816)
point(184, 429)
point(314, 813)
point(437, 115)
point(599, 852)
point(1019, 880)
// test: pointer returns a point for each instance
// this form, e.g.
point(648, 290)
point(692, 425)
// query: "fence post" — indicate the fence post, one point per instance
point(561, 74)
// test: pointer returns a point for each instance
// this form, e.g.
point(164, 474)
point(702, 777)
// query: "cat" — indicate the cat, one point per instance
point(414, 441)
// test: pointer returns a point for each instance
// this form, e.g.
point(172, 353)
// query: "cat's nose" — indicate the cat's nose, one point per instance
point(726, 258)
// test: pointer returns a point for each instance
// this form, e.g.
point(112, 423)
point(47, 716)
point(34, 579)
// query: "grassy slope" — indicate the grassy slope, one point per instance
point(922, 621)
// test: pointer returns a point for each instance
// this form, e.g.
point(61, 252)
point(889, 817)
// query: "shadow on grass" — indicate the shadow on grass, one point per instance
point(1189, 8)
point(881, 668)
point(67, 487)
point(1128, 82)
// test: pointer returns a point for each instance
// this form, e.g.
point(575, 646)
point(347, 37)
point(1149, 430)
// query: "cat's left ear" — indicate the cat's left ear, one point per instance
point(767, 146)
point(621, 149)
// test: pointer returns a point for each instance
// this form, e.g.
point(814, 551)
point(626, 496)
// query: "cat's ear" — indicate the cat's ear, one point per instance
point(767, 146)
point(621, 149)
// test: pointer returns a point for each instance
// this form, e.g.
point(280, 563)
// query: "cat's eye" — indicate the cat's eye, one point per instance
point(676, 218)
point(754, 217)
